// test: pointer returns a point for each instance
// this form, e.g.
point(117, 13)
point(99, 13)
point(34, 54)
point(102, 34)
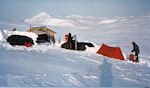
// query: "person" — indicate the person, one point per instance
point(136, 50)
point(70, 41)
point(70, 38)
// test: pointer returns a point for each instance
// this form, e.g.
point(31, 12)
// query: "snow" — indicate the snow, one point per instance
point(1, 36)
point(108, 21)
point(45, 19)
point(48, 65)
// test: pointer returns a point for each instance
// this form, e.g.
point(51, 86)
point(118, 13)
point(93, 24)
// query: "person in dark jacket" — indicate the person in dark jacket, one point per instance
point(70, 38)
point(136, 50)
point(70, 41)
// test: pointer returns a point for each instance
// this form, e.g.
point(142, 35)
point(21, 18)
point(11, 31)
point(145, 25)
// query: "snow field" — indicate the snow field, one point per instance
point(68, 68)
point(47, 65)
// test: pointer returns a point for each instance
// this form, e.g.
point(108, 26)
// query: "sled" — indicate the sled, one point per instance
point(80, 45)
point(132, 58)
point(75, 45)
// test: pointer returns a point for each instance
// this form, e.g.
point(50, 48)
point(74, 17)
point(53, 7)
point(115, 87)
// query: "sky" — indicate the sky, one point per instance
point(21, 9)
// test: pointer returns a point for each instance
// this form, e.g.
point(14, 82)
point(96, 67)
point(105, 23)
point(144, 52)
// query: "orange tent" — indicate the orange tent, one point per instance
point(112, 52)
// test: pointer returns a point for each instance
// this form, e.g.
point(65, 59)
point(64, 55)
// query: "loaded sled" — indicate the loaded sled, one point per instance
point(75, 45)
point(20, 40)
point(80, 45)
point(42, 35)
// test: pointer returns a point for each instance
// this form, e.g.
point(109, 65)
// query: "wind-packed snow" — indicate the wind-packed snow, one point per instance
point(47, 65)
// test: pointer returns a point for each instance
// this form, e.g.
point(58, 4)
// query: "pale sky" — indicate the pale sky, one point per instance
point(21, 9)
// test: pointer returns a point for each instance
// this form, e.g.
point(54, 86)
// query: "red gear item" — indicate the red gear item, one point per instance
point(28, 44)
point(66, 37)
point(131, 56)
point(70, 46)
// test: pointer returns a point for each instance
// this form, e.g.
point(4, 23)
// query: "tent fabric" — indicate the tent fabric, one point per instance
point(112, 52)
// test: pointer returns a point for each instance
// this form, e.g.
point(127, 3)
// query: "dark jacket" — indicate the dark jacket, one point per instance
point(135, 49)
point(69, 38)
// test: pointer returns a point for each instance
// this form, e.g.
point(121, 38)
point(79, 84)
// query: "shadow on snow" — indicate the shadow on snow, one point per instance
point(106, 78)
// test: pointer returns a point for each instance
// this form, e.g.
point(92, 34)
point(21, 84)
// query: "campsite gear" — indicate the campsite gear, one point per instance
point(87, 44)
point(44, 34)
point(74, 44)
point(28, 44)
point(43, 38)
point(80, 45)
point(59, 40)
point(66, 37)
point(70, 46)
point(19, 40)
point(112, 52)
